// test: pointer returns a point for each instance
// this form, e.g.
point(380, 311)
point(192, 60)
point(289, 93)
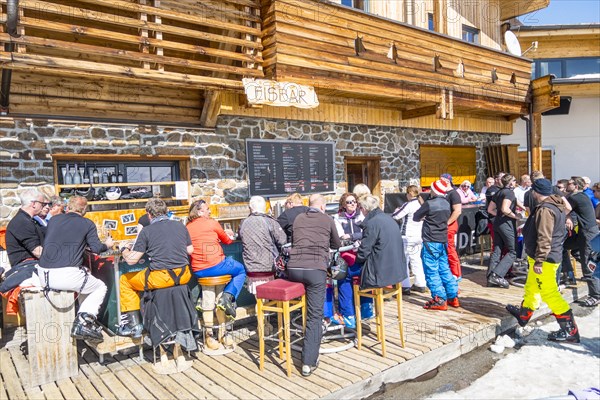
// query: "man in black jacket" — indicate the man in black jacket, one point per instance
point(586, 220)
point(293, 208)
point(314, 233)
point(60, 266)
point(381, 249)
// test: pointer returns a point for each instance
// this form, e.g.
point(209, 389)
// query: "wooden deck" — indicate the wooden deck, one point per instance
point(432, 338)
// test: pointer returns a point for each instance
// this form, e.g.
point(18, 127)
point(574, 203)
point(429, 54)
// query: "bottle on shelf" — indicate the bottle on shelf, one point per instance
point(86, 174)
point(95, 175)
point(68, 175)
point(63, 171)
point(77, 178)
point(104, 176)
point(119, 176)
point(113, 176)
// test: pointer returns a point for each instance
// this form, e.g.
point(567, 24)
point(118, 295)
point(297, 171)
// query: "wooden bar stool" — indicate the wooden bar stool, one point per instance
point(378, 295)
point(212, 288)
point(484, 240)
point(282, 297)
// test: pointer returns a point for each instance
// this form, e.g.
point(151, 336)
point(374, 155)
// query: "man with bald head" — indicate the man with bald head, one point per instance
point(313, 234)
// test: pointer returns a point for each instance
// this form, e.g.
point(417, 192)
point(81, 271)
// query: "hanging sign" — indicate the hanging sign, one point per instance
point(281, 94)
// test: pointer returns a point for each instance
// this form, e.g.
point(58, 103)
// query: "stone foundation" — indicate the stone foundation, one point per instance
point(218, 157)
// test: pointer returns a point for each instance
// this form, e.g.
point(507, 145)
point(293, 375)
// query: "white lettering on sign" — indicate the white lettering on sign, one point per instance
point(281, 94)
point(464, 240)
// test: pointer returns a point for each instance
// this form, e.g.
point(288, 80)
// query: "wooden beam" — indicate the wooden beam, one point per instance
point(513, 8)
point(545, 103)
point(442, 108)
point(211, 108)
point(544, 97)
point(144, 47)
point(121, 20)
point(175, 15)
point(536, 142)
point(128, 55)
point(91, 69)
point(380, 90)
point(212, 99)
point(158, 35)
point(420, 112)
point(78, 30)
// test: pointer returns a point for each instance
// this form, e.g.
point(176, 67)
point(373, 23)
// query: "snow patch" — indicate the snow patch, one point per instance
point(541, 368)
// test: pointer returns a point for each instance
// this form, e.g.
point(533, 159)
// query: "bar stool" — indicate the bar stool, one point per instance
point(212, 289)
point(378, 295)
point(484, 239)
point(282, 297)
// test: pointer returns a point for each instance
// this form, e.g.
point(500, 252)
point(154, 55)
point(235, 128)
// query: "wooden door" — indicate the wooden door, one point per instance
point(546, 164)
point(363, 170)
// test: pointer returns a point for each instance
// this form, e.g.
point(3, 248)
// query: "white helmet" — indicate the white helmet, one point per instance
point(113, 193)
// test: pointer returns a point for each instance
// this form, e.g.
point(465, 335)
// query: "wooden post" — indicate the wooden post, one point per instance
point(144, 48)
point(52, 353)
point(536, 142)
point(158, 36)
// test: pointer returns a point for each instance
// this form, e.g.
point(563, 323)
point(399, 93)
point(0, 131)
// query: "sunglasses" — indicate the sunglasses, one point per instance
point(350, 201)
point(44, 204)
point(561, 187)
point(198, 203)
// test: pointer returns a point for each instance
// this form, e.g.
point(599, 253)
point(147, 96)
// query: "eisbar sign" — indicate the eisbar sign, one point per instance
point(281, 94)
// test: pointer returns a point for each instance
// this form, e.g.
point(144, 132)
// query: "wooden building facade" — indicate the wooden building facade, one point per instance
point(572, 54)
point(151, 78)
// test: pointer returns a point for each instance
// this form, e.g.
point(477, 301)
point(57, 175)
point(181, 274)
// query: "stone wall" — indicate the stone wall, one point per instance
point(218, 158)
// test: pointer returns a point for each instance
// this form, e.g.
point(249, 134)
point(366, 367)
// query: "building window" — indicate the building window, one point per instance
point(430, 22)
point(470, 34)
point(551, 68)
point(359, 4)
point(566, 67)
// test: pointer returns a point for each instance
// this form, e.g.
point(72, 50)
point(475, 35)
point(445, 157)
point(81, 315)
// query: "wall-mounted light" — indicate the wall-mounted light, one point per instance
point(437, 65)
point(393, 52)
point(494, 75)
point(460, 69)
point(359, 47)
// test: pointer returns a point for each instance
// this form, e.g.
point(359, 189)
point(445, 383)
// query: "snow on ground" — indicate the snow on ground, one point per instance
point(541, 368)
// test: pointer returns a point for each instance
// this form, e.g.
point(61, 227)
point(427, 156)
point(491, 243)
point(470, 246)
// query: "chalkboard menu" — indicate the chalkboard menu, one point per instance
point(282, 167)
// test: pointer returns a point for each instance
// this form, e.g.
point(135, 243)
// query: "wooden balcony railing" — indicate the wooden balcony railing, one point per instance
point(313, 42)
point(173, 44)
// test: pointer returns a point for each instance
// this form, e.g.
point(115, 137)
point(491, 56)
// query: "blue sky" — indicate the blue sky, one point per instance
point(565, 12)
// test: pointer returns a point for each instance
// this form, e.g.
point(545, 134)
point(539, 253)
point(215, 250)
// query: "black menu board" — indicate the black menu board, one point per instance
point(282, 167)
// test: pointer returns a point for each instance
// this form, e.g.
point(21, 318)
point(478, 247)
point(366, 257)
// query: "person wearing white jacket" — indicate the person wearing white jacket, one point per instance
point(413, 242)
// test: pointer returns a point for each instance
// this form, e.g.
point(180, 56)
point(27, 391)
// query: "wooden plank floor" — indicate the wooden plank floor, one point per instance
point(432, 338)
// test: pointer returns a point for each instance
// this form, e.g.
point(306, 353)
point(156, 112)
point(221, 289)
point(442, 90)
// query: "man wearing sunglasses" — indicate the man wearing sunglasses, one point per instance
point(24, 238)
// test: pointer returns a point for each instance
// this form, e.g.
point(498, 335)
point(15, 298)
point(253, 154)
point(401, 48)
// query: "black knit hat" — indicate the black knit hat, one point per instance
point(542, 186)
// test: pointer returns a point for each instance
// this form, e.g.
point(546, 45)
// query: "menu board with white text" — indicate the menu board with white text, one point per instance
point(283, 167)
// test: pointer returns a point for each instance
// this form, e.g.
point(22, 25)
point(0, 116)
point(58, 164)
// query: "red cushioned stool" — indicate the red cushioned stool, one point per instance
point(378, 295)
point(282, 297)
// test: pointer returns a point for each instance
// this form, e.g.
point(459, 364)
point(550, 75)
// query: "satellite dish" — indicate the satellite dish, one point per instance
point(512, 43)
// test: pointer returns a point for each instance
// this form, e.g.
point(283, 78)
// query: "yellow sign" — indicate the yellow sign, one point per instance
point(281, 94)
